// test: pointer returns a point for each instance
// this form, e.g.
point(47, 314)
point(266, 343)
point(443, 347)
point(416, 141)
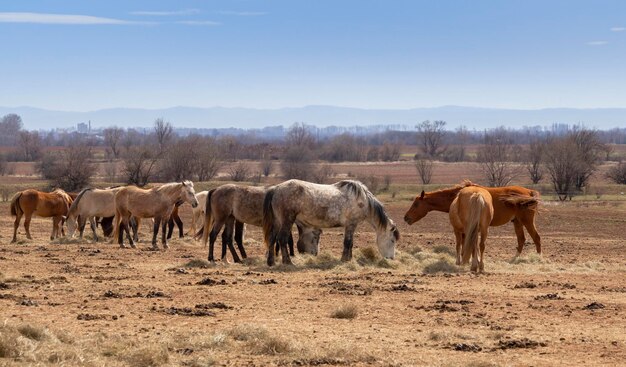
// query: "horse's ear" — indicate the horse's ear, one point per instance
point(184, 183)
point(422, 194)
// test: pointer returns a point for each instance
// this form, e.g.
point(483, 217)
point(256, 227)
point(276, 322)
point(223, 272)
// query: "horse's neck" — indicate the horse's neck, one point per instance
point(441, 200)
point(172, 193)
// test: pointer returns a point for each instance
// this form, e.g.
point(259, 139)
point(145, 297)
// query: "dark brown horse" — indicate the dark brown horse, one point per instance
point(230, 206)
point(515, 203)
point(55, 204)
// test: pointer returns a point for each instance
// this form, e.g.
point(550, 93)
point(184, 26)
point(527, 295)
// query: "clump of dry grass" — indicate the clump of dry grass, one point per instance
point(531, 258)
point(148, 356)
point(323, 261)
point(32, 332)
point(443, 265)
point(261, 341)
point(197, 263)
point(67, 241)
point(348, 312)
point(443, 249)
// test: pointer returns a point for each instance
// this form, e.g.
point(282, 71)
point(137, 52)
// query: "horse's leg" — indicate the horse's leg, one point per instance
point(347, 243)
point(458, 236)
point(300, 244)
point(16, 225)
point(55, 227)
point(217, 226)
point(93, 223)
point(483, 238)
point(529, 223)
point(27, 219)
point(283, 240)
point(270, 248)
point(170, 227)
point(239, 229)
point(519, 232)
point(227, 240)
point(81, 225)
point(127, 228)
point(290, 242)
point(163, 236)
point(155, 231)
point(134, 223)
point(179, 223)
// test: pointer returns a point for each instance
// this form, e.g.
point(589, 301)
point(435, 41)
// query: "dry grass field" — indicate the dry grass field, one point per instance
point(73, 302)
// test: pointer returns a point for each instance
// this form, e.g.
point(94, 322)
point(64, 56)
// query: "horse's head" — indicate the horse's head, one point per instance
point(72, 224)
point(418, 209)
point(188, 194)
point(386, 240)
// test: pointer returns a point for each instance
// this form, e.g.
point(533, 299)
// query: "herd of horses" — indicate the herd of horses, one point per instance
point(311, 207)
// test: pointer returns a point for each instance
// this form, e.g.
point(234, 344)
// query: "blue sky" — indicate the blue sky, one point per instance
point(86, 55)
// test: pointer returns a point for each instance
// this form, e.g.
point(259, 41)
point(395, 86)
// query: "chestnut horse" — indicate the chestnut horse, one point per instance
point(343, 204)
point(471, 212)
point(55, 204)
point(515, 203)
point(157, 203)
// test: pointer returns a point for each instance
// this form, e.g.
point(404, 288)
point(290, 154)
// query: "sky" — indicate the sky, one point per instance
point(86, 55)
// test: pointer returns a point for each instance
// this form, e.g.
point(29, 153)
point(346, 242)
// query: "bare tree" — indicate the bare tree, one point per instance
point(207, 159)
point(425, 169)
point(112, 138)
point(140, 164)
point(239, 172)
point(617, 173)
point(589, 149)
point(534, 158)
point(30, 145)
point(494, 157)
point(69, 169)
point(163, 131)
point(297, 163)
point(179, 162)
point(323, 174)
point(560, 161)
point(3, 165)
point(390, 152)
point(10, 126)
point(430, 137)
point(299, 134)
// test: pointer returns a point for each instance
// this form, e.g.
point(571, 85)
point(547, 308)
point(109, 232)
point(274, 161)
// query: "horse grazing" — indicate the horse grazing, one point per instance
point(55, 204)
point(510, 203)
point(471, 212)
point(230, 206)
point(157, 203)
point(91, 204)
point(343, 204)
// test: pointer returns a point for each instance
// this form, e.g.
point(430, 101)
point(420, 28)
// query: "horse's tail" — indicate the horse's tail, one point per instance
point(117, 221)
point(268, 216)
point(207, 218)
point(472, 226)
point(15, 204)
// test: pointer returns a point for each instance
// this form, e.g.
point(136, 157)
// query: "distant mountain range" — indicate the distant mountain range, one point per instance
point(321, 116)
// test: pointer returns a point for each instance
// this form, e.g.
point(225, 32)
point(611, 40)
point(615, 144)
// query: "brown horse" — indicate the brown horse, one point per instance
point(230, 206)
point(157, 203)
point(55, 204)
point(471, 212)
point(515, 203)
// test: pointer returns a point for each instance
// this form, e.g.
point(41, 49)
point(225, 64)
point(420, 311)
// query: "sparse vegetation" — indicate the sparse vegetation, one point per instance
point(347, 312)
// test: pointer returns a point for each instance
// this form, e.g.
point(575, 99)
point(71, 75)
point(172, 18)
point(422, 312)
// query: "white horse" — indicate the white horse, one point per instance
point(343, 204)
point(197, 216)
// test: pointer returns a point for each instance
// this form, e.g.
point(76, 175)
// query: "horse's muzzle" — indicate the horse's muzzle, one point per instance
point(407, 220)
point(194, 205)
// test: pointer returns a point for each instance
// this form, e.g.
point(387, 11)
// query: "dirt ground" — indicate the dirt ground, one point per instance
point(83, 303)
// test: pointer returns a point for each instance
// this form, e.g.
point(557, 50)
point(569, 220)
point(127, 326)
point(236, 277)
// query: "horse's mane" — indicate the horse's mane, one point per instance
point(376, 208)
point(74, 205)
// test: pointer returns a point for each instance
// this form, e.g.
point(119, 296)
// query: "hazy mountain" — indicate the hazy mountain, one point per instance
point(220, 117)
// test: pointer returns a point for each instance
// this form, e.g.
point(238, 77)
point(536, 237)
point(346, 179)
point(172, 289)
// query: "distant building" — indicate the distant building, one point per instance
point(84, 128)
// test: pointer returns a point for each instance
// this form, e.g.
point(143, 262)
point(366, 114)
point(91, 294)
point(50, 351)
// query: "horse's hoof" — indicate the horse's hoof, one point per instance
point(346, 258)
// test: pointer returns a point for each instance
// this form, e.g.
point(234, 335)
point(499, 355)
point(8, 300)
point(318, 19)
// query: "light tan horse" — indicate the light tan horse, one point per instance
point(510, 203)
point(55, 204)
point(157, 203)
point(89, 204)
point(471, 212)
